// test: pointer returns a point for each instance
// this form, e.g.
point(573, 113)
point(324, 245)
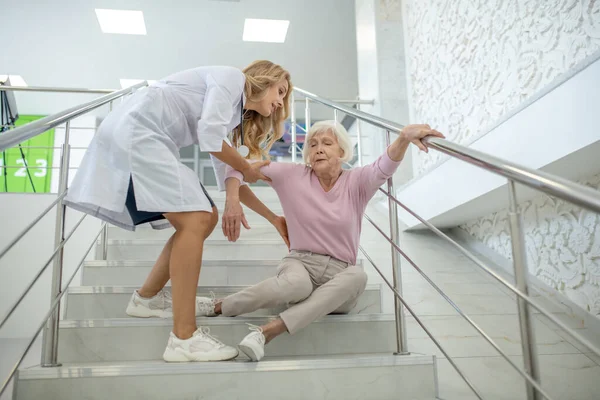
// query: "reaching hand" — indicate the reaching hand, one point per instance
point(252, 172)
point(281, 226)
point(233, 215)
point(415, 133)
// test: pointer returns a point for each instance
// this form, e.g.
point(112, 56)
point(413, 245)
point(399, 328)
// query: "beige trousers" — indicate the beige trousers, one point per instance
point(310, 285)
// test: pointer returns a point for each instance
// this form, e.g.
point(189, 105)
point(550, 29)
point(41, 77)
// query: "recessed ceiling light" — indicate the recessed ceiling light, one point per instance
point(265, 30)
point(15, 80)
point(121, 21)
point(125, 83)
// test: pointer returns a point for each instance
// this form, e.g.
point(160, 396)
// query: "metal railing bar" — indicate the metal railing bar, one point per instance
point(562, 188)
point(31, 225)
point(493, 274)
point(15, 136)
point(460, 312)
point(52, 307)
point(439, 346)
point(37, 276)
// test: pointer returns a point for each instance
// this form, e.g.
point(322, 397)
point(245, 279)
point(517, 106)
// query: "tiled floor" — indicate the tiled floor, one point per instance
point(568, 370)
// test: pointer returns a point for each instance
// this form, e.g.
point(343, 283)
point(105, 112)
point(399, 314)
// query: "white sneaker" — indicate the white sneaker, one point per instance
point(200, 347)
point(205, 306)
point(160, 306)
point(253, 345)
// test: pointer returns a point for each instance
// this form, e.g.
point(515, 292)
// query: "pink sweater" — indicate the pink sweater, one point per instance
point(325, 222)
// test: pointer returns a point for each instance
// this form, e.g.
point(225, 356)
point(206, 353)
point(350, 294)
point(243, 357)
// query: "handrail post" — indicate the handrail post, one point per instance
point(50, 340)
point(401, 347)
point(104, 235)
point(293, 116)
point(521, 280)
point(307, 115)
point(335, 115)
point(358, 139)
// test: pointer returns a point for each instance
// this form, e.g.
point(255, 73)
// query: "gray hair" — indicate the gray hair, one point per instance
point(340, 133)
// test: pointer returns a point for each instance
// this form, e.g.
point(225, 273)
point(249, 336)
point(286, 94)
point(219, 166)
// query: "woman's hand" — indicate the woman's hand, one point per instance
point(252, 172)
point(281, 226)
point(232, 217)
point(414, 134)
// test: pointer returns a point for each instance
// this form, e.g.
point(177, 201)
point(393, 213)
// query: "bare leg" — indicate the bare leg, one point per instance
point(160, 275)
point(186, 259)
point(273, 329)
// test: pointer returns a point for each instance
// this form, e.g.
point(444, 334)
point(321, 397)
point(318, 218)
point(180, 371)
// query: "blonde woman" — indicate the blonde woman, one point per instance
point(132, 174)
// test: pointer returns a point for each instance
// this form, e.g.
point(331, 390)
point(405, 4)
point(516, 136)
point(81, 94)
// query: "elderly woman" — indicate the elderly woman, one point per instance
point(323, 205)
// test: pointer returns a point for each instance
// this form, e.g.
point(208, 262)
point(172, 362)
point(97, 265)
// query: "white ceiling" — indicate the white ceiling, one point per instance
point(59, 43)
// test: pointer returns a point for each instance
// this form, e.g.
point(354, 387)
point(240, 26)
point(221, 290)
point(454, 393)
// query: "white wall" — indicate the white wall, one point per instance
point(557, 126)
point(368, 78)
point(562, 242)
point(23, 262)
point(382, 74)
point(471, 63)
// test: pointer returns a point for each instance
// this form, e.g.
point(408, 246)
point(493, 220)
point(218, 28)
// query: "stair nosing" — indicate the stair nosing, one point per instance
point(157, 367)
point(208, 321)
point(128, 289)
point(205, 263)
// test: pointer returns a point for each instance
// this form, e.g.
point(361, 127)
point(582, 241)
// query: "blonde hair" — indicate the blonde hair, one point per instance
point(338, 131)
point(261, 132)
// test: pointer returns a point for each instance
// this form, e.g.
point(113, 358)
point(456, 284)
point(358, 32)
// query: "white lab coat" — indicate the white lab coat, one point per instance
point(142, 137)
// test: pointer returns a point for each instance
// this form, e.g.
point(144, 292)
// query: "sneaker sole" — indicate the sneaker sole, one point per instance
point(143, 312)
point(249, 351)
point(179, 356)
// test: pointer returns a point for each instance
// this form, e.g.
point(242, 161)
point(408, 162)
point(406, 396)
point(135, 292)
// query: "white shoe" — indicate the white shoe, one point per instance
point(160, 306)
point(200, 347)
point(253, 345)
point(205, 306)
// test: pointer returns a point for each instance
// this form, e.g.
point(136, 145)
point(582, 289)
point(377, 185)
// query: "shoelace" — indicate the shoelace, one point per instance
point(205, 306)
point(260, 338)
point(213, 339)
point(165, 297)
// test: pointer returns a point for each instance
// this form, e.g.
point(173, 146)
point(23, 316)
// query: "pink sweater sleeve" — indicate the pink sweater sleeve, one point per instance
point(372, 176)
point(276, 171)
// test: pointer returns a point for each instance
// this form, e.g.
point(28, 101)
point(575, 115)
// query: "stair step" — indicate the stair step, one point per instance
point(130, 339)
point(257, 231)
point(93, 302)
point(364, 376)
point(146, 249)
point(213, 273)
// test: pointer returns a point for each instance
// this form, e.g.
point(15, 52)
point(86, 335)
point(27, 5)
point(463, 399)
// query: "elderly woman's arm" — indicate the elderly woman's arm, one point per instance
point(372, 176)
point(410, 134)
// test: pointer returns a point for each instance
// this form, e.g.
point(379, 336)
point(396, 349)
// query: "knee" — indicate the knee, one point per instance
point(297, 290)
point(358, 279)
point(198, 223)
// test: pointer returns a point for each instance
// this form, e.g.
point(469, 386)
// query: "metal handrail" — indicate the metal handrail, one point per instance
point(493, 274)
point(544, 182)
point(26, 132)
point(103, 91)
point(550, 184)
point(363, 116)
point(31, 225)
point(41, 271)
point(458, 310)
point(53, 306)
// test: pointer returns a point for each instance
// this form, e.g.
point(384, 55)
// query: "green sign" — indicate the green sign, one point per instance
point(38, 153)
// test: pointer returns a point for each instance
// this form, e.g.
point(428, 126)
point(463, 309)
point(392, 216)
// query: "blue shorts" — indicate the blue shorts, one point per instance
point(142, 217)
